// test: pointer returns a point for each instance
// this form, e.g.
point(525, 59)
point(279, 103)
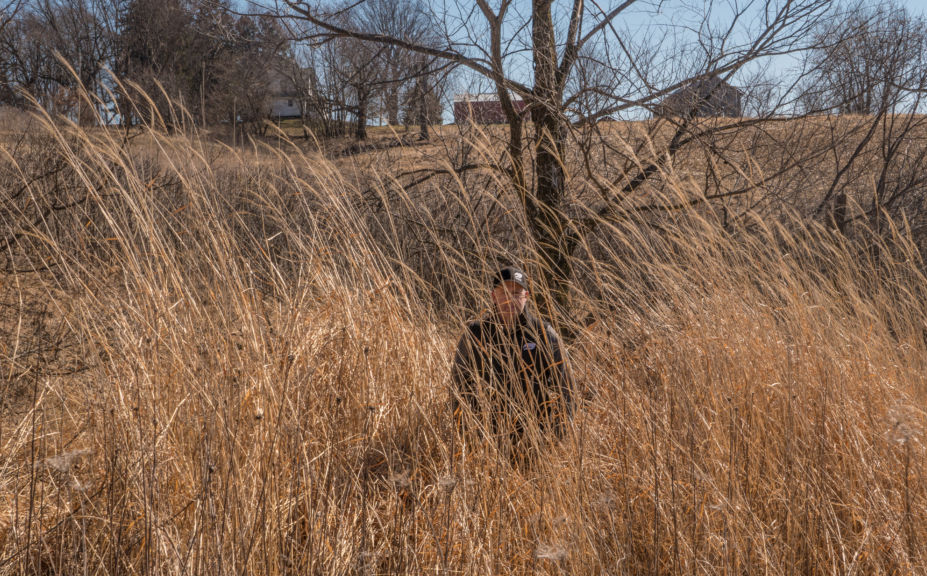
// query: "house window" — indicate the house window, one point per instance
point(289, 103)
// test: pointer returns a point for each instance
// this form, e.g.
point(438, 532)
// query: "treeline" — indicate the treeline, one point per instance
point(144, 60)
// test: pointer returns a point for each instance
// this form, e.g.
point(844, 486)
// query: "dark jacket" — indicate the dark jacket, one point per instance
point(509, 375)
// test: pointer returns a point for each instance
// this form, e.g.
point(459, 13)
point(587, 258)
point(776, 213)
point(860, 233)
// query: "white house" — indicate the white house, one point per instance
point(284, 100)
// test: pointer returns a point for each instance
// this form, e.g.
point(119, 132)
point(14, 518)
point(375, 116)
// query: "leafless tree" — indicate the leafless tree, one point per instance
point(76, 31)
point(870, 68)
point(423, 99)
point(54, 49)
point(407, 19)
point(556, 42)
point(253, 46)
point(365, 79)
point(203, 56)
point(868, 60)
point(26, 62)
point(360, 72)
point(9, 10)
point(152, 33)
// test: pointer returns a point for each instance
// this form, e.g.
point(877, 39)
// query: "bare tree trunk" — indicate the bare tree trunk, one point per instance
point(421, 93)
point(86, 111)
point(392, 104)
point(360, 130)
point(545, 210)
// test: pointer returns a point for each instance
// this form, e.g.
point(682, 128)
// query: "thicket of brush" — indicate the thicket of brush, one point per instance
point(220, 361)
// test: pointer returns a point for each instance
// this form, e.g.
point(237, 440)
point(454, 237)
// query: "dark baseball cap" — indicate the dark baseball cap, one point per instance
point(510, 274)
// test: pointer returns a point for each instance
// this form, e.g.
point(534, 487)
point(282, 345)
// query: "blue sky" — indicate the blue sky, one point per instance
point(670, 24)
point(674, 30)
point(916, 6)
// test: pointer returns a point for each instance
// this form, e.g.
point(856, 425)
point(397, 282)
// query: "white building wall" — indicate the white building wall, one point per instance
point(285, 107)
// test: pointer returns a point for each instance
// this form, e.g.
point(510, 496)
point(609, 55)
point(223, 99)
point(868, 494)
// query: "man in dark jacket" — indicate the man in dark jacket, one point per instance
point(510, 369)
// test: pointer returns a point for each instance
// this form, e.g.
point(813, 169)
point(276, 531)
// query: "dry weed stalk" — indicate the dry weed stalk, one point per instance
point(256, 359)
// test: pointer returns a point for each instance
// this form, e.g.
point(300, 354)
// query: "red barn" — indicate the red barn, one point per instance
point(482, 108)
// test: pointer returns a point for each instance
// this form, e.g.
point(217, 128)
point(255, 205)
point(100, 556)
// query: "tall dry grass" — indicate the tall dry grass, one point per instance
point(226, 361)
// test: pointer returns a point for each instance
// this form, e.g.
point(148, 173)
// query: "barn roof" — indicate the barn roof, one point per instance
point(484, 97)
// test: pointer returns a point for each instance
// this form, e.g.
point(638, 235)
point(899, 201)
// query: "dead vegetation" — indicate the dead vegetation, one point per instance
point(223, 360)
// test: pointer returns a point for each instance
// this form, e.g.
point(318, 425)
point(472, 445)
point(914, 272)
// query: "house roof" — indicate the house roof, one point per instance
point(707, 84)
point(485, 97)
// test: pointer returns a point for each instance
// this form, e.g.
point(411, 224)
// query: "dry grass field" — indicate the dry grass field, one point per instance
point(236, 361)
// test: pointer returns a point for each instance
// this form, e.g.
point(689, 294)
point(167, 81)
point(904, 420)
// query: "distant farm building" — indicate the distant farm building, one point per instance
point(285, 100)
point(482, 108)
point(704, 97)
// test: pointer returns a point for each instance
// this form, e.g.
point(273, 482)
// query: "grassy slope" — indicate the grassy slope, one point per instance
point(263, 389)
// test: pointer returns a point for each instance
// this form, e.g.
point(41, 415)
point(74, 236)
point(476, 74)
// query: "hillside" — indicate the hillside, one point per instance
point(218, 360)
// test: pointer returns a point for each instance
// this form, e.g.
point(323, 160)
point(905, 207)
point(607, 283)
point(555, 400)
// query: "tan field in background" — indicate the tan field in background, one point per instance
point(229, 361)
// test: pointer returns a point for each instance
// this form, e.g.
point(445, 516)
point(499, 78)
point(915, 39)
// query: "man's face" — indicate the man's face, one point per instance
point(509, 299)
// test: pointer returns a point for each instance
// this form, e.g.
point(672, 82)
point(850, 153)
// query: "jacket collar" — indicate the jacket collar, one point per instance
point(524, 319)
